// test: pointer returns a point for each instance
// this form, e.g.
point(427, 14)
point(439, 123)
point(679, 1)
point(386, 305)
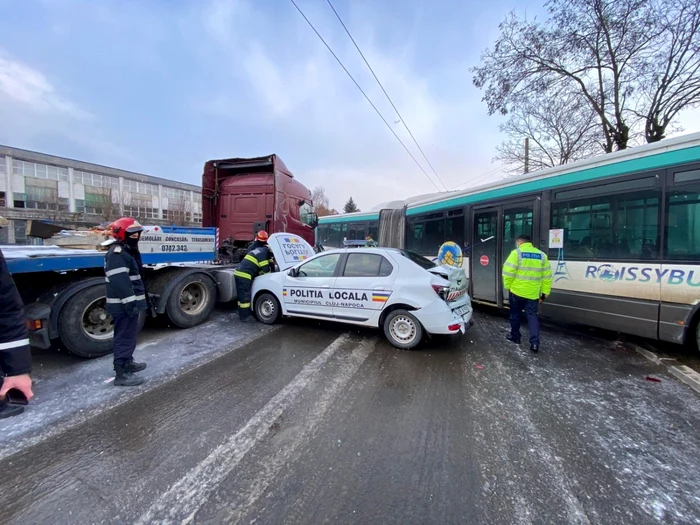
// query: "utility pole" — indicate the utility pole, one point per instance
point(527, 154)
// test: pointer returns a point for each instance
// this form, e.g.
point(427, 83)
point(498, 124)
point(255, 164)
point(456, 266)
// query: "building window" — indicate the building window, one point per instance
point(142, 188)
point(2, 198)
point(610, 227)
point(38, 171)
point(683, 223)
point(95, 180)
point(174, 193)
point(18, 199)
point(141, 212)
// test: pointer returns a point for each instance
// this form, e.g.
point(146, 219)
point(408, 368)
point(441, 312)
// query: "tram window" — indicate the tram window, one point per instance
point(454, 230)
point(683, 223)
point(373, 231)
point(610, 227)
point(355, 231)
point(686, 176)
point(591, 191)
point(337, 232)
point(434, 236)
point(414, 240)
point(322, 232)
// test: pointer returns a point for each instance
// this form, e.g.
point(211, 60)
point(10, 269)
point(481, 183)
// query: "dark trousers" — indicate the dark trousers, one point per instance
point(126, 331)
point(517, 305)
point(243, 287)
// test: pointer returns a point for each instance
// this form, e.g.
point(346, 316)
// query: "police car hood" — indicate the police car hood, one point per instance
point(289, 249)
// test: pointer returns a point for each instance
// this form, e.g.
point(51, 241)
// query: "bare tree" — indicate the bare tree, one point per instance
point(605, 51)
point(321, 202)
point(671, 77)
point(109, 203)
point(559, 131)
point(179, 210)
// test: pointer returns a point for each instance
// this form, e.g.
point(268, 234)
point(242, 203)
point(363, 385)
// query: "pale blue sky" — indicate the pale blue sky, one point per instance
point(161, 86)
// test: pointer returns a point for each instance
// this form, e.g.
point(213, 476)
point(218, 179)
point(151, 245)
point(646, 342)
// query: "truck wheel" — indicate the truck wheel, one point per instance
point(191, 301)
point(85, 327)
point(402, 329)
point(267, 308)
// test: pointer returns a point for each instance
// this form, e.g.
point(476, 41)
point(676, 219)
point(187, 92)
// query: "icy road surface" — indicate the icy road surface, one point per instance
point(307, 424)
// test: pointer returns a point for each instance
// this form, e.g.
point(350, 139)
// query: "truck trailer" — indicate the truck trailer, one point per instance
point(187, 270)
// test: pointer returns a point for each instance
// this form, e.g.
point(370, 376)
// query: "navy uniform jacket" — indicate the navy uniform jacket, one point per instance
point(257, 261)
point(126, 292)
point(15, 356)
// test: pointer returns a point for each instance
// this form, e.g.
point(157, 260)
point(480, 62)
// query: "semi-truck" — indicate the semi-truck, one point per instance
point(187, 270)
point(241, 196)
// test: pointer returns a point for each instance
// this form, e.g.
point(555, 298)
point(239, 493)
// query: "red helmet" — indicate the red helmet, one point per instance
point(125, 226)
point(262, 236)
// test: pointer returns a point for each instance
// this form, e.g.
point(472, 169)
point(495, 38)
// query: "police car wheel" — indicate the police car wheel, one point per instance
point(267, 308)
point(402, 329)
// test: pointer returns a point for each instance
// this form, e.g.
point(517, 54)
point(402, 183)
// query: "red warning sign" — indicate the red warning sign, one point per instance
point(484, 260)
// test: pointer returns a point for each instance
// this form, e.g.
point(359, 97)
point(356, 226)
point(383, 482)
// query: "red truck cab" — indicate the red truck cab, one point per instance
point(241, 196)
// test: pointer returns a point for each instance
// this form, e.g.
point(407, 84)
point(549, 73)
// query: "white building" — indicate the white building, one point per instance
point(70, 192)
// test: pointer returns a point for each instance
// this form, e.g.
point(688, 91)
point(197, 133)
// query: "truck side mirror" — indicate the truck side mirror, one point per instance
point(314, 220)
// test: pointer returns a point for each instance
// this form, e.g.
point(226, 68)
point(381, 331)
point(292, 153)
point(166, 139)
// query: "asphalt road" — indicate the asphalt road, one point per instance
point(316, 424)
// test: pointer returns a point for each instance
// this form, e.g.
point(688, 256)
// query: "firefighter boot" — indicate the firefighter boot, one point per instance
point(124, 377)
point(7, 410)
point(132, 366)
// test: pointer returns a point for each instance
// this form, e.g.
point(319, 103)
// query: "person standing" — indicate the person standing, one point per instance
point(15, 355)
point(126, 297)
point(258, 260)
point(527, 276)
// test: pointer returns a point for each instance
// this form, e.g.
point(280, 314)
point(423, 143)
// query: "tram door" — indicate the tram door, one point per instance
point(494, 234)
point(484, 270)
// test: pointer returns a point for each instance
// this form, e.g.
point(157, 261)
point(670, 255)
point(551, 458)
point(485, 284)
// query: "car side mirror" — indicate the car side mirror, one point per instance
point(293, 272)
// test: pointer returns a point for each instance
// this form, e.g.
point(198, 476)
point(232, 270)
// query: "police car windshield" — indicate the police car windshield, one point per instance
point(421, 261)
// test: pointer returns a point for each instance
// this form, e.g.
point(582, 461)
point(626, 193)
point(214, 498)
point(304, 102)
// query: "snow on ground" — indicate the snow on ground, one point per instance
point(73, 394)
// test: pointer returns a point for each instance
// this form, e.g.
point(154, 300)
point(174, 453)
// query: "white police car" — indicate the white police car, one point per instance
point(405, 294)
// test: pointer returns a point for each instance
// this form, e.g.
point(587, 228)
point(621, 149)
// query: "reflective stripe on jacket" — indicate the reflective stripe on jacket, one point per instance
point(257, 261)
point(527, 272)
point(126, 291)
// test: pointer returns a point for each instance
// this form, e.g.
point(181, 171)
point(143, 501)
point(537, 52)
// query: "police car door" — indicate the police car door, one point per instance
point(306, 289)
point(363, 287)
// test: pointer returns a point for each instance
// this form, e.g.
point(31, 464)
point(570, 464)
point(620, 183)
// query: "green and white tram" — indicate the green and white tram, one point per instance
point(622, 232)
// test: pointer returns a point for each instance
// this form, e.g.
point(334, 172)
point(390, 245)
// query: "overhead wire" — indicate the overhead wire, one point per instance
point(365, 94)
point(403, 121)
point(475, 178)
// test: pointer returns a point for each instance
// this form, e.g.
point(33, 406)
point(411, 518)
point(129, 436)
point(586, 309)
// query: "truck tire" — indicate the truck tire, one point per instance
point(84, 326)
point(267, 308)
point(191, 300)
point(402, 329)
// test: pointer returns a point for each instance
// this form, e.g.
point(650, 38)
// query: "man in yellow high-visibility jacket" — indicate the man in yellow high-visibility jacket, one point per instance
point(528, 278)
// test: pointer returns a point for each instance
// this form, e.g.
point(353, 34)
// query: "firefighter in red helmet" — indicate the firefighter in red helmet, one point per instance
point(126, 297)
point(257, 261)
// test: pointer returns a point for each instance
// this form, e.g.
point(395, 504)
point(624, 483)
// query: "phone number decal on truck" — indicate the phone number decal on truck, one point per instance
point(173, 248)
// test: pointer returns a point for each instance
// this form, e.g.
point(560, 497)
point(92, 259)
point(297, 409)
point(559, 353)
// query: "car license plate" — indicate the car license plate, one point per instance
point(461, 310)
